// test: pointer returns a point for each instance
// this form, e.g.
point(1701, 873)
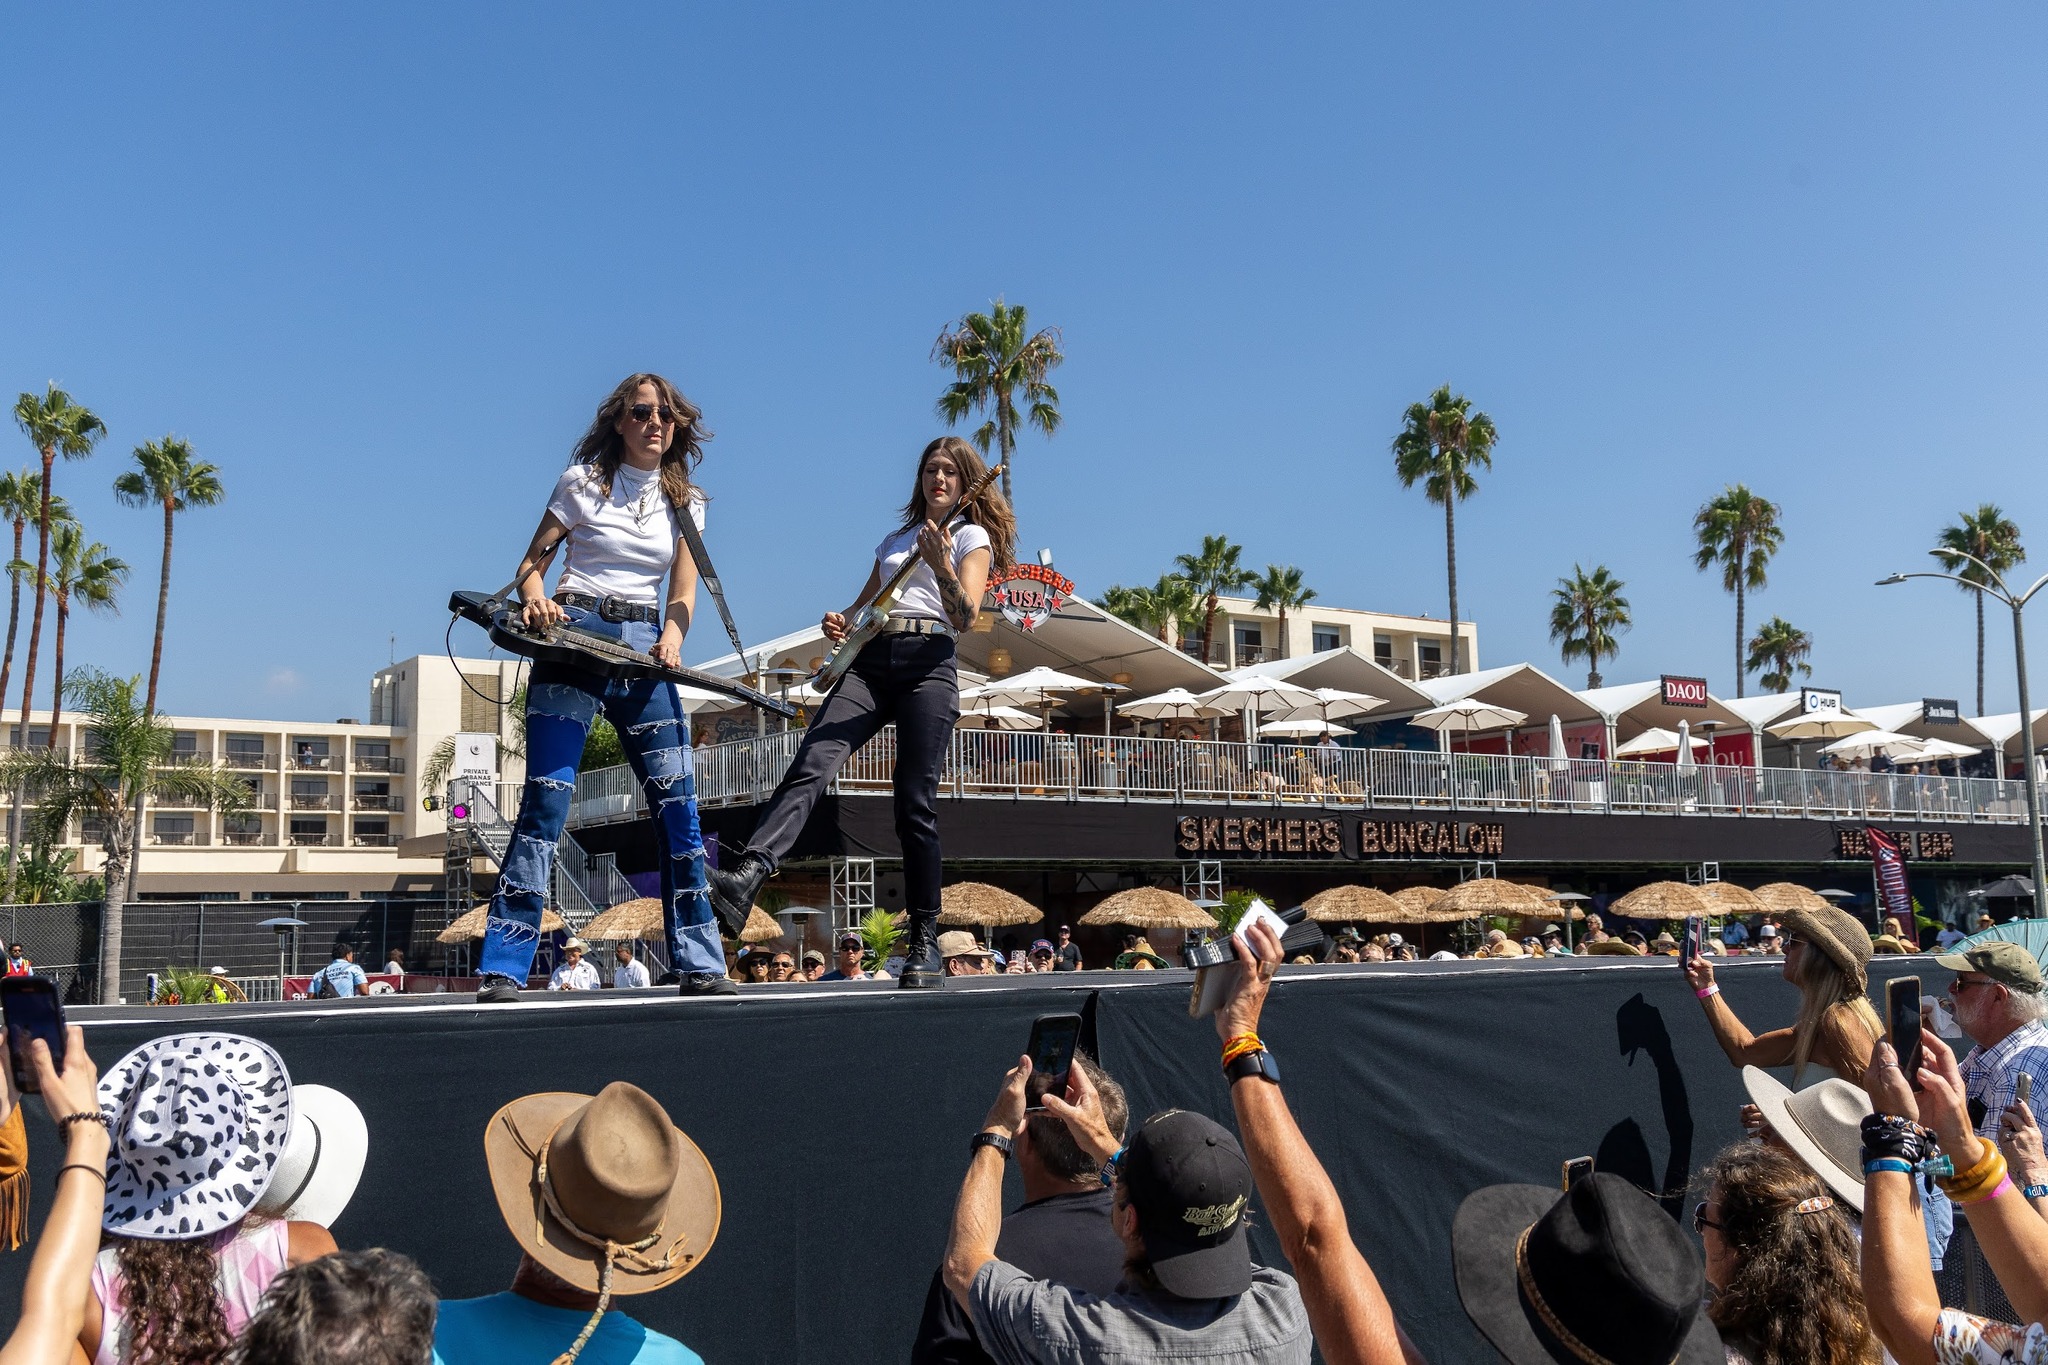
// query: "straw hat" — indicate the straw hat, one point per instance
point(1837, 933)
point(979, 904)
point(1663, 900)
point(575, 1172)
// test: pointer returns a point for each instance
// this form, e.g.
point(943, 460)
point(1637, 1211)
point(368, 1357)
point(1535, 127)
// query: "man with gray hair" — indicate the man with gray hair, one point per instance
point(1998, 1003)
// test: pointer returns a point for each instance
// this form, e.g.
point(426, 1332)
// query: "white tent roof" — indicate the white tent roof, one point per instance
point(1759, 711)
point(1349, 668)
point(2001, 729)
point(1640, 705)
point(1518, 687)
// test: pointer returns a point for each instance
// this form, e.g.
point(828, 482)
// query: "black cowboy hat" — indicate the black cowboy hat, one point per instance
point(1598, 1273)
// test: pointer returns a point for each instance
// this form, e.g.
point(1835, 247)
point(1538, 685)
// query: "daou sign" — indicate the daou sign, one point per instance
point(1685, 691)
point(1819, 701)
point(1030, 593)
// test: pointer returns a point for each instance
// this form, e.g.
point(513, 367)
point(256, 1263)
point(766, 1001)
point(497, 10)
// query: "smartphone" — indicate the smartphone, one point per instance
point(32, 1010)
point(1695, 941)
point(1902, 1024)
point(2026, 1084)
point(1577, 1169)
point(1053, 1039)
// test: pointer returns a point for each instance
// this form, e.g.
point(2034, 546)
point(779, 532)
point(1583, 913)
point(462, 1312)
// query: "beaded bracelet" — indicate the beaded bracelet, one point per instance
point(86, 1116)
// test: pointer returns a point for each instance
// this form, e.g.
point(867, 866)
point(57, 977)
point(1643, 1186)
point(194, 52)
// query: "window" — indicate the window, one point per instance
point(250, 826)
point(245, 750)
point(309, 786)
point(173, 829)
point(309, 829)
point(1431, 654)
point(1326, 637)
point(185, 744)
point(480, 713)
point(1383, 650)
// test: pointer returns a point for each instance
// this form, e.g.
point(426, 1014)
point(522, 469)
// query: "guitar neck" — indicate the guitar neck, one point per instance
point(886, 598)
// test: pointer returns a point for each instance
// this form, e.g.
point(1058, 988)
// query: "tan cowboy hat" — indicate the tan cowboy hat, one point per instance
point(618, 1171)
point(1822, 1124)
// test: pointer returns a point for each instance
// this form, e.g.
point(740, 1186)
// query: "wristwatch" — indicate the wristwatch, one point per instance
point(995, 1140)
point(1260, 1064)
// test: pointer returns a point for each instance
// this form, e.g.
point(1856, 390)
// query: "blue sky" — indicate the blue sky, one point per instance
point(380, 262)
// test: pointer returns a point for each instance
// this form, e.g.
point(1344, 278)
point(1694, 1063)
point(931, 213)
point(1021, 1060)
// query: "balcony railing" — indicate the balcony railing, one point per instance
point(375, 801)
point(376, 841)
point(380, 763)
point(1247, 655)
point(242, 838)
point(191, 756)
point(321, 762)
point(177, 838)
point(299, 840)
point(1098, 768)
point(318, 801)
point(245, 760)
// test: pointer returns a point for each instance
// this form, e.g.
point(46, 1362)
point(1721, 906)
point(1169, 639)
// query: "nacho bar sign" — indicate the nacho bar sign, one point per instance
point(1251, 836)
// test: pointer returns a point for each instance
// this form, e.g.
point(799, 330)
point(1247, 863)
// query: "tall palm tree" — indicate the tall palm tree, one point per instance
point(89, 575)
point(21, 500)
point(1586, 613)
point(1740, 532)
point(1779, 649)
point(166, 476)
point(129, 752)
point(1281, 590)
point(1988, 535)
point(56, 426)
point(997, 359)
point(1440, 444)
point(1165, 608)
point(1212, 573)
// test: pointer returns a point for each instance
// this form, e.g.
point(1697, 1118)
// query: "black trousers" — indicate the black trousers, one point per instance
point(910, 680)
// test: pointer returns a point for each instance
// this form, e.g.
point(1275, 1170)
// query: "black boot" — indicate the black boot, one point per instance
point(922, 969)
point(497, 990)
point(733, 892)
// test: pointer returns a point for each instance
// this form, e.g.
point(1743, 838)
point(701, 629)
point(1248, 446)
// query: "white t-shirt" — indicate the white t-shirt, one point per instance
point(921, 592)
point(619, 546)
point(581, 977)
point(630, 976)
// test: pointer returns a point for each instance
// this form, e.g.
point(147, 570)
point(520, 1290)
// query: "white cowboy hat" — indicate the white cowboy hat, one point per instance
point(323, 1158)
point(199, 1122)
point(1822, 1124)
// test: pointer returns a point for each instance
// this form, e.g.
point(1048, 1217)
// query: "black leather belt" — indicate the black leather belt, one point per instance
point(611, 609)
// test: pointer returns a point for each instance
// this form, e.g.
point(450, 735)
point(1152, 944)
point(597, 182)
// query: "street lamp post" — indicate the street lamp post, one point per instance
point(1997, 588)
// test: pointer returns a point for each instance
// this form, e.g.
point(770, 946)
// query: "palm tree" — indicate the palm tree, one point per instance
point(1780, 649)
point(1740, 532)
point(88, 574)
point(21, 500)
point(1212, 573)
point(166, 476)
point(996, 359)
point(1282, 590)
point(1988, 536)
point(56, 426)
point(128, 752)
point(1440, 444)
point(1165, 608)
point(1586, 613)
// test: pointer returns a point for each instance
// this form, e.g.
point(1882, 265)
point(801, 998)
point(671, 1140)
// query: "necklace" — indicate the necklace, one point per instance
point(643, 506)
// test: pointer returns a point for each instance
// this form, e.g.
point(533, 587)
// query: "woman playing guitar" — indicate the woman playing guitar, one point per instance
point(615, 509)
point(906, 676)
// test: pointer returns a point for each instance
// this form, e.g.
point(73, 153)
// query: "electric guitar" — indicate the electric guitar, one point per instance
point(868, 621)
point(563, 643)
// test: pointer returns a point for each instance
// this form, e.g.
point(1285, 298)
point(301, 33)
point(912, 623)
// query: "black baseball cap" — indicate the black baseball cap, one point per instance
point(849, 939)
point(1191, 1185)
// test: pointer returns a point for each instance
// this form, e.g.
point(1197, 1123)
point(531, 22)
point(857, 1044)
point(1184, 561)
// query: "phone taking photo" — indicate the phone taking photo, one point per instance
point(1902, 1024)
point(31, 1009)
point(1575, 1170)
point(1053, 1040)
point(1695, 942)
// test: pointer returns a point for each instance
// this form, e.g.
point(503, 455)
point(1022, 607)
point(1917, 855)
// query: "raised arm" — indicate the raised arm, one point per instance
point(1742, 1047)
point(59, 1278)
point(978, 1214)
point(1348, 1311)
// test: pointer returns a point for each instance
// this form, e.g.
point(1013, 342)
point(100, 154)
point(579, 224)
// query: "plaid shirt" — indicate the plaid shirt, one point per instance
point(1992, 1074)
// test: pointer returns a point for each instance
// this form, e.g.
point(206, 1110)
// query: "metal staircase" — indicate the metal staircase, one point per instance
point(582, 885)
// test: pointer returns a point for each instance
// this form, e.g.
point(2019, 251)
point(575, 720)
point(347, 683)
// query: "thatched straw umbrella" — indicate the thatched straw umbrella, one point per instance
point(1729, 899)
point(981, 906)
point(1783, 897)
point(1664, 900)
point(760, 927)
point(1418, 898)
point(1356, 905)
point(1489, 896)
point(471, 925)
point(1148, 907)
point(641, 918)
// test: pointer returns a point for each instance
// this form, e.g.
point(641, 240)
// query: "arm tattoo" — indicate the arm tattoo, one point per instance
point(954, 598)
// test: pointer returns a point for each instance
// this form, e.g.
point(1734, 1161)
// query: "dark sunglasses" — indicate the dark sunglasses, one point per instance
point(784, 962)
point(640, 412)
point(1700, 1221)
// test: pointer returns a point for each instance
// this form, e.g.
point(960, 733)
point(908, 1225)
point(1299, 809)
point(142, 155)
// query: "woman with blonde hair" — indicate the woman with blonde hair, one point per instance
point(905, 676)
point(1784, 1281)
point(1826, 952)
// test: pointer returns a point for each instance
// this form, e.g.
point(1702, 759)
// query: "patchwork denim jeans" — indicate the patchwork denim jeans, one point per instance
point(561, 703)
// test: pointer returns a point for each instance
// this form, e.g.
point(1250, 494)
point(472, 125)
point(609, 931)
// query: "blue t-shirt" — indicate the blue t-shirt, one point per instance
point(509, 1327)
point(345, 977)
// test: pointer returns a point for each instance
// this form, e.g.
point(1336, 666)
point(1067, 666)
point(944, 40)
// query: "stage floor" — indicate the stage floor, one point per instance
point(837, 1115)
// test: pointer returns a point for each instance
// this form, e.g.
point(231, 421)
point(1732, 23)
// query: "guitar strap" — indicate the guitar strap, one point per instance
point(708, 576)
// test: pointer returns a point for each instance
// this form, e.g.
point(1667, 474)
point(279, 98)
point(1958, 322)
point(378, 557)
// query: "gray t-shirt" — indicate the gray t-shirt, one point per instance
point(1024, 1321)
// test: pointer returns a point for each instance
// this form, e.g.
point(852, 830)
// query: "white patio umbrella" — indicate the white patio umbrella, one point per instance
point(1467, 714)
point(1868, 742)
point(1176, 703)
point(1306, 725)
point(1926, 750)
point(1031, 687)
point(1685, 745)
point(1332, 703)
point(1556, 737)
point(997, 718)
point(1820, 725)
point(1259, 696)
point(1657, 741)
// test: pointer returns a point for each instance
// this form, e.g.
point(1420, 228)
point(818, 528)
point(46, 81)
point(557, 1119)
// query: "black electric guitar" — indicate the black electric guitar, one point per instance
point(563, 643)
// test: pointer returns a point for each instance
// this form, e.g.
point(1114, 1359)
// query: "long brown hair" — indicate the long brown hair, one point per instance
point(602, 448)
point(989, 511)
point(171, 1311)
point(1796, 1297)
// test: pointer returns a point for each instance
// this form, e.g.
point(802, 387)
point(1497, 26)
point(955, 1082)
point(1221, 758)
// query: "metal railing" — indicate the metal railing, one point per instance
point(376, 841)
point(191, 756)
point(324, 762)
point(243, 760)
point(242, 838)
point(373, 800)
point(299, 840)
point(380, 763)
point(314, 801)
point(487, 803)
point(182, 838)
point(1095, 767)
